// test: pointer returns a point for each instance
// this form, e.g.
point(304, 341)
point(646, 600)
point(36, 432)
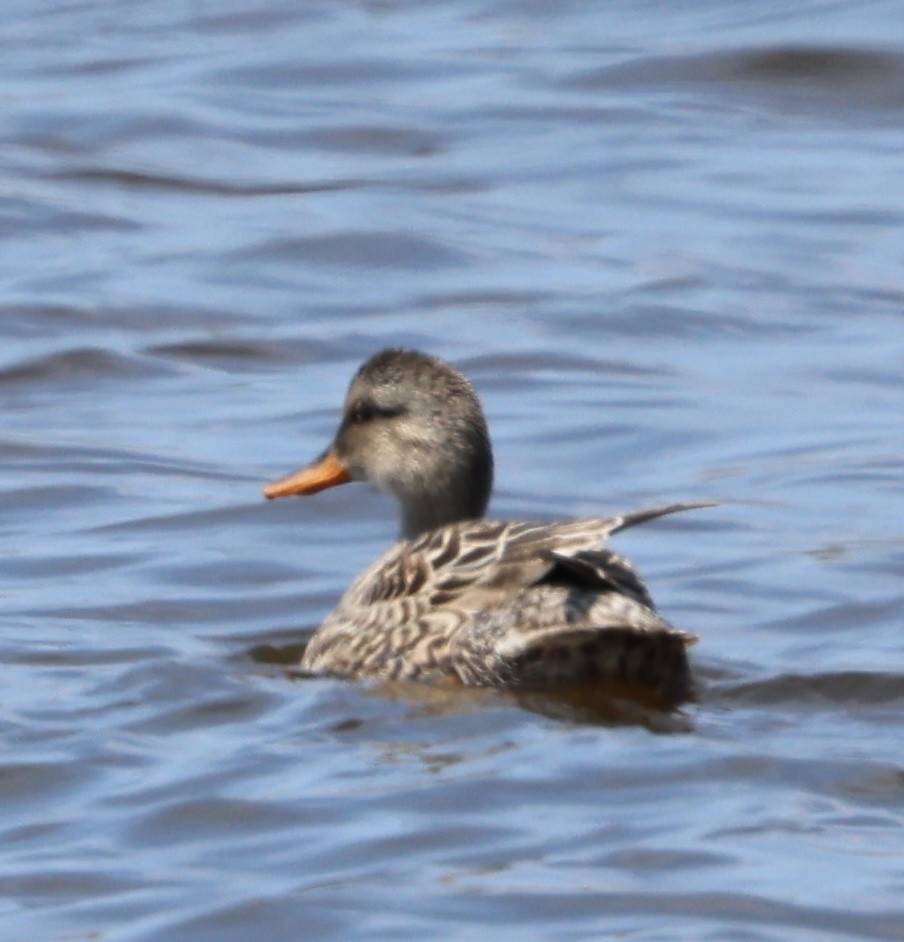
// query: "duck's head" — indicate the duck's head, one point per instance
point(413, 426)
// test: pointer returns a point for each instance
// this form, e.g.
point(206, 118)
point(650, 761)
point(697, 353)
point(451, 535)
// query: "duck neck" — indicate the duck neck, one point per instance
point(461, 497)
point(421, 516)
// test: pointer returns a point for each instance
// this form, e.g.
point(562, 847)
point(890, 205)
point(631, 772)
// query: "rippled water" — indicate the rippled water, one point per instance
point(667, 243)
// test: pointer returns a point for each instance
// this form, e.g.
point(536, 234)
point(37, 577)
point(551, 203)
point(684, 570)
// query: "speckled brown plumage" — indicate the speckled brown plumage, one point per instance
point(476, 602)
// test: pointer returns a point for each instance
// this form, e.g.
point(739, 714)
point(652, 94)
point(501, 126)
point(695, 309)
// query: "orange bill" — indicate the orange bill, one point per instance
point(326, 471)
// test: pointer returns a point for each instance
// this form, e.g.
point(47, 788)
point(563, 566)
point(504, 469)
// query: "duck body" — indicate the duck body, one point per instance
point(465, 600)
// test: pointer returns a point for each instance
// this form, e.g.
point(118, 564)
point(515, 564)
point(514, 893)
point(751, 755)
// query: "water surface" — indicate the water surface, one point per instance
point(665, 241)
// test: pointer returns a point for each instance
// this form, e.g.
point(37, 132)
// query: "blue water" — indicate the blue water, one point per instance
point(665, 242)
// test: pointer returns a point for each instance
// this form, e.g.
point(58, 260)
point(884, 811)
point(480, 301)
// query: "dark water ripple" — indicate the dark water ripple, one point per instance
point(848, 687)
point(665, 242)
point(818, 79)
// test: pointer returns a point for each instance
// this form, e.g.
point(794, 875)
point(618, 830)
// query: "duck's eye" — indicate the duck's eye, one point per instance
point(363, 412)
point(367, 411)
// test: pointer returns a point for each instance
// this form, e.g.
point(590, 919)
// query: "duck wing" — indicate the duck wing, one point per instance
point(464, 563)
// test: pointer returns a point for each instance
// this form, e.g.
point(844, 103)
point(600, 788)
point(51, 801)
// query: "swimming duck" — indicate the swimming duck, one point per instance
point(468, 600)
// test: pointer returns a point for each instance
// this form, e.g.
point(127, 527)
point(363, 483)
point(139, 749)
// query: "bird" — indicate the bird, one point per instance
point(463, 600)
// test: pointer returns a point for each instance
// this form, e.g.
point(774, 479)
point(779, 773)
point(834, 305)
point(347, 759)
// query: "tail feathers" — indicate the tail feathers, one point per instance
point(623, 521)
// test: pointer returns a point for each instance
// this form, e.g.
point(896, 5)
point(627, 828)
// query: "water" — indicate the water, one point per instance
point(666, 243)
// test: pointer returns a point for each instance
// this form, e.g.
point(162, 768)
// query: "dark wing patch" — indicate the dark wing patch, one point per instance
point(602, 570)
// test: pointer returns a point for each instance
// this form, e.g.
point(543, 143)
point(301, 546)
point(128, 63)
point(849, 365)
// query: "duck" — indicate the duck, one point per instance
point(464, 600)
